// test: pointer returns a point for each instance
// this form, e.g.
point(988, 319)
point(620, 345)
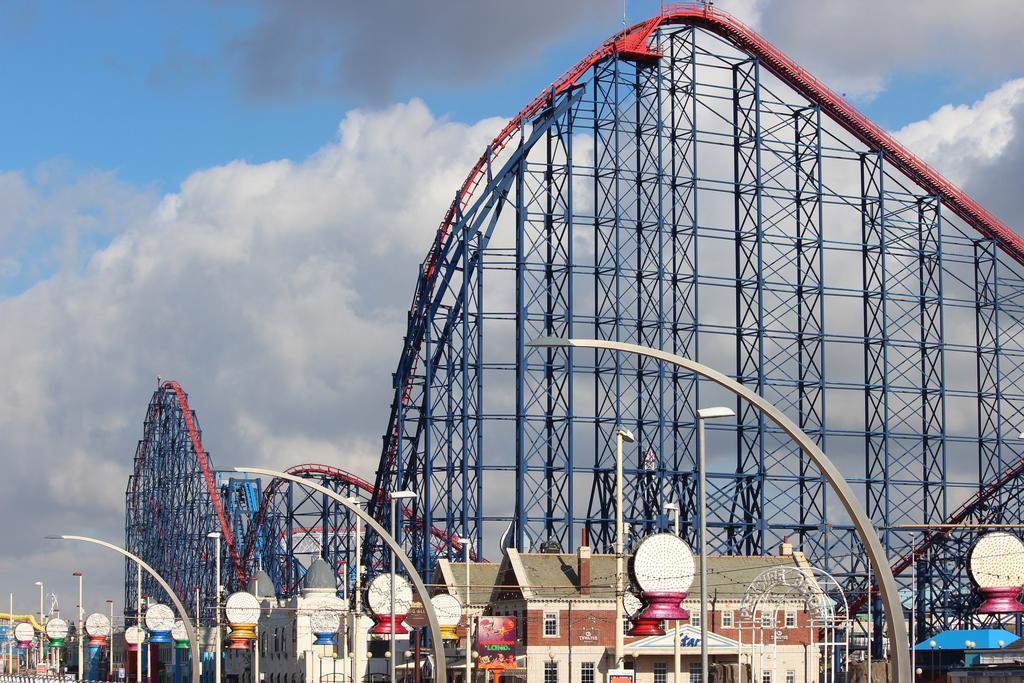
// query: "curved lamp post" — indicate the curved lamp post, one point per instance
point(441, 668)
point(192, 636)
point(897, 627)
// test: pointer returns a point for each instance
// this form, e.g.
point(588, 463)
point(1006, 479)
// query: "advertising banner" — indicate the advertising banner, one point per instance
point(496, 643)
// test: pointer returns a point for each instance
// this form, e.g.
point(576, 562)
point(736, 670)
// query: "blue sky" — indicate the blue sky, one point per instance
point(144, 89)
point(236, 195)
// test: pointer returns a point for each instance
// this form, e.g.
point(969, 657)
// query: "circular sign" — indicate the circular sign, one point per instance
point(378, 594)
point(663, 563)
point(325, 621)
point(242, 608)
point(133, 635)
point(997, 560)
point(56, 629)
point(97, 625)
point(24, 632)
point(448, 609)
point(178, 631)
point(159, 618)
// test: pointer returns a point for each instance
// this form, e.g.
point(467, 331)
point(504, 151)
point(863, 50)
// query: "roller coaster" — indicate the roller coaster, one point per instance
point(685, 186)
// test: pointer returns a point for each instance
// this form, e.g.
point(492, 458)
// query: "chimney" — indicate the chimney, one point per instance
point(583, 565)
point(786, 549)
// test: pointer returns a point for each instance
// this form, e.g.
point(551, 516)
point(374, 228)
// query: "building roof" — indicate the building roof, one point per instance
point(555, 575)
point(984, 639)
point(319, 577)
point(482, 577)
point(262, 581)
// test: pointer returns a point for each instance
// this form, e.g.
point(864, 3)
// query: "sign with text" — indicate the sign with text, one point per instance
point(621, 676)
point(496, 642)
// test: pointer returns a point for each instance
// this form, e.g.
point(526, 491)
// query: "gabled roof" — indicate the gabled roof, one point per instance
point(482, 577)
point(689, 641)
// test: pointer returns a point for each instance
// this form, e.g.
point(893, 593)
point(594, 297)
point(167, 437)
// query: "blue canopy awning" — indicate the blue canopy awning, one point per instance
point(983, 639)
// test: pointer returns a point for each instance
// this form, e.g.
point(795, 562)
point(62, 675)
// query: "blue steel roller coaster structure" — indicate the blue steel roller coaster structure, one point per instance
point(686, 186)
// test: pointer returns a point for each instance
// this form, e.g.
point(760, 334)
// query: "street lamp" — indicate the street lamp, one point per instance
point(110, 660)
point(676, 654)
point(42, 622)
point(215, 535)
point(355, 631)
point(467, 545)
point(395, 497)
point(81, 624)
point(702, 505)
point(621, 435)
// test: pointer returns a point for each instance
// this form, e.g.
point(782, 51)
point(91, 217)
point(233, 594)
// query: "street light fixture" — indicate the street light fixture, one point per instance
point(395, 497)
point(80, 631)
point(42, 622)
point(621, 435)
point(358, 592)
point(215, 535)
point(676, 654)
point(702, 505)
point(110, 660)
point(467, 545)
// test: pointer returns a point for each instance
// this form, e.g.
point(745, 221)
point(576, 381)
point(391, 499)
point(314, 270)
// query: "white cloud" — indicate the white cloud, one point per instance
point(275, 293)
point(960, 138)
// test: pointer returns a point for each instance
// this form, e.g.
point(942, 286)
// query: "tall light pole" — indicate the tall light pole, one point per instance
point(80, 631)
point(10, 637)
point(676, 654)
point(395, 497)
point(42, 622)
point(702, 505)
point(138, 622)
point(110, 659)
point(357, 645)
point(620, 589)
point(467, 545)
point(215, 535)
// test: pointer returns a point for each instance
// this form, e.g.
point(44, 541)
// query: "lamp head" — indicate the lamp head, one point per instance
point(213, 534)
point(670, 507)
point(403, 495)
point(717, 411)
point(625, 435)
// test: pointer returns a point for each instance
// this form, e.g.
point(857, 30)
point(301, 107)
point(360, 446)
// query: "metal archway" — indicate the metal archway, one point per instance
point(901, 666)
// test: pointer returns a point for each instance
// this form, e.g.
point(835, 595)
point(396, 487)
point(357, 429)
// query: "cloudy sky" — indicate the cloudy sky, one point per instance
point(235, 195)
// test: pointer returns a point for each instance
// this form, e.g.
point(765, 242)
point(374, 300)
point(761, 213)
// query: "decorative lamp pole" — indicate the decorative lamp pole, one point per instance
point(242, 610)
point(702, 505)
point(395, 497)
point(80, 631)
point(996, 566)
point(621, 435)
point(676, 654)
point(215, 535)
point(110, 649)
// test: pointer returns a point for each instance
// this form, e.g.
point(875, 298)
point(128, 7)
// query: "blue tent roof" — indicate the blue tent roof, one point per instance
point(984, 639)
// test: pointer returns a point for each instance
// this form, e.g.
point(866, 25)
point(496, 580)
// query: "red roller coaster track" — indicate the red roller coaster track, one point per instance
point(634, 43)
point(339, 476)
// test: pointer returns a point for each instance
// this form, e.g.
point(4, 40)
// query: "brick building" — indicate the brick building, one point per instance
point(565, 606)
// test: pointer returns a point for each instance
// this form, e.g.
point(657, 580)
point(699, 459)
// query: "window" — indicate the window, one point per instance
point(727, 619)
point(695, 619)
point(587, 672)
point(551, 672)
point(695, 675)
point(766, 677)
point(790, 618)
point(550, 624)
point(660, 672)
point(767, 619)
point(790, 676)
